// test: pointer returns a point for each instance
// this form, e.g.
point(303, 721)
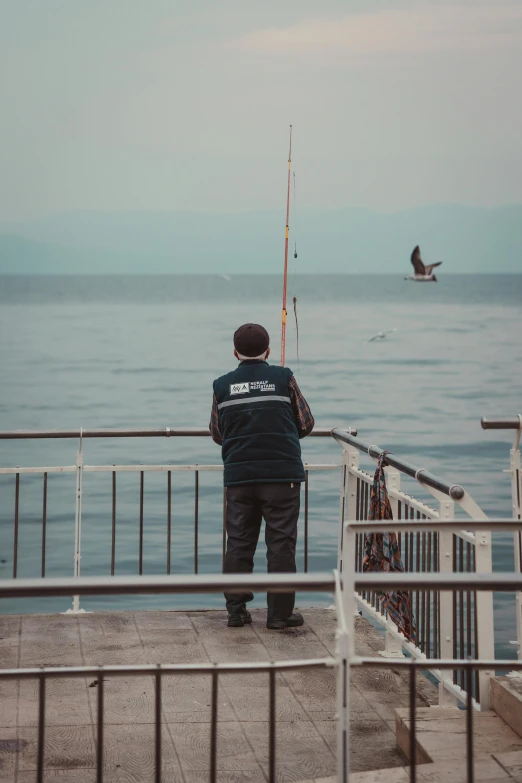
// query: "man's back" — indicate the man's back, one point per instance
point(259, 433)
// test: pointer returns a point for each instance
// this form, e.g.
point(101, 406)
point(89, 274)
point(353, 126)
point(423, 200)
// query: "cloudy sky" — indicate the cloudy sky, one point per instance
point(185, 104)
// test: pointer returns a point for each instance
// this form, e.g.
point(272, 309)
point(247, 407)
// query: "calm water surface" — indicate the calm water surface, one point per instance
point(142, 352)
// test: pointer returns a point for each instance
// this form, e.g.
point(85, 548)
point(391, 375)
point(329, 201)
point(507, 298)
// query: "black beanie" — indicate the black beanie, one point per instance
point(251, 340)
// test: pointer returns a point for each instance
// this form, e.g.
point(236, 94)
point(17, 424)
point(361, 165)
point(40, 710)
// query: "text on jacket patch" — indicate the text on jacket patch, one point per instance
point(245, 388)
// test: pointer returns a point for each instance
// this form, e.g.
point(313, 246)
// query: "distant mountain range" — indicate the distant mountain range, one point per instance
point(466, 239)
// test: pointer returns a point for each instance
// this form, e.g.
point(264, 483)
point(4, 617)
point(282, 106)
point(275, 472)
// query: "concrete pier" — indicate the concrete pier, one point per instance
point(306, 710)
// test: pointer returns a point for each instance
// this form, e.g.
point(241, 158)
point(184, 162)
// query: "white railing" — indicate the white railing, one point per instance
point(352, 584)
point(515, 472)
point(345, 587)
point(449, 625)
point(80, 469)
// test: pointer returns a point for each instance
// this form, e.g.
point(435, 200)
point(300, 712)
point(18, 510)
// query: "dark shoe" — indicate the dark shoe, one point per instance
point(239, 619)
point(293, 621)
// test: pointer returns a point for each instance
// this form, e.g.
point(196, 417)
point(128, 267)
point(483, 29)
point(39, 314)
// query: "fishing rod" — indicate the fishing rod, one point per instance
point(283, 316)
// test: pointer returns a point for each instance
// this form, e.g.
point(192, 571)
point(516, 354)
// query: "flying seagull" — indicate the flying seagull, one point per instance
point(423, 274)
point(381, 335)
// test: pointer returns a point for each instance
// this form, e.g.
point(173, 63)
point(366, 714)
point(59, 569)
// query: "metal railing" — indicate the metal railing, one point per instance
point(457, 624)
point(515, 471)
point(346, 587)
point(80, 469)
point(353, 584)
point(168, 585)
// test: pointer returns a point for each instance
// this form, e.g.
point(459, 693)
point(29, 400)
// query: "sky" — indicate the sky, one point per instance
point(185, 104)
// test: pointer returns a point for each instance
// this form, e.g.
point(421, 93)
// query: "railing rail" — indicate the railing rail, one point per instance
point(182, 584)
point(453, 491)
point(162, 432)
point(238, 583)
point(499, 423)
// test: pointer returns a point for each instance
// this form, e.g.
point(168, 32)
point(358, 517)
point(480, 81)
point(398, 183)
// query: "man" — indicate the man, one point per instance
point(258, 416)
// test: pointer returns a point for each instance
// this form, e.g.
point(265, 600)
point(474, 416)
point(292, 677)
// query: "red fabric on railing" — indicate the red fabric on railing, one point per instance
point(382, 553)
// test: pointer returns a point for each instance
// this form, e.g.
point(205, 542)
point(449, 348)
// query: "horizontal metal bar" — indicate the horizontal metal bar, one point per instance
point(237, 583)
point(446, 526)
point(138, 468)
point(437, 663)
point(514, 423)
point(140, 670)
point(164, 432)
point(146, 585)
point(150, 468)
point(396, 580)
point(454, 491)
point(414, 503)
point(166, 669)
point(165, 468)
point(47, 469)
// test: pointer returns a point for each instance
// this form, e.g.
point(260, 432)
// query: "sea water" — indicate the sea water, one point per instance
point(142, 352)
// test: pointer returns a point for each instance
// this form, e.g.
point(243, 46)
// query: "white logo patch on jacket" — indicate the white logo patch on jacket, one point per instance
point(245, 388)
point(239, 388)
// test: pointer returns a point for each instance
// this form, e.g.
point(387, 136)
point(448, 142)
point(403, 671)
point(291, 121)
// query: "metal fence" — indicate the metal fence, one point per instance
point(168, 585)
point(353, 584)
point(80, 469)
point(514, 423)
point(345, 587)
point(457, 624)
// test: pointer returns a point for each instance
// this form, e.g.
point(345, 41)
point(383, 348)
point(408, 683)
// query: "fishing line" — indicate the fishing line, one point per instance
point(296, 336)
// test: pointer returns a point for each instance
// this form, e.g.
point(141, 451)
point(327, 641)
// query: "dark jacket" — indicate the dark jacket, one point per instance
point(256, 419)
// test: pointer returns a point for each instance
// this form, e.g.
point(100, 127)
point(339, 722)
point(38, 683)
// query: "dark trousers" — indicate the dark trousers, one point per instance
point(247, 505)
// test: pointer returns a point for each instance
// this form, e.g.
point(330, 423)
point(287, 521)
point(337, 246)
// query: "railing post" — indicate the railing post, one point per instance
point(516, 499)
point(348, 499)
point(446, 609)
point(393, 646)
point(345, 654)
point(78, 524)
point(485, 620)
point(343, 708)
point(485, 628)
point(343, 489)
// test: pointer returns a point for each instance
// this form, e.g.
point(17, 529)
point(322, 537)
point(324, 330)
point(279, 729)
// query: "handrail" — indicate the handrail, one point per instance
point(450, 581)
point(454, 491)
point(164, 432)
point(123, 670)
point(236, 583)
point(501, 424)
point(498, 524)
point(147, 585)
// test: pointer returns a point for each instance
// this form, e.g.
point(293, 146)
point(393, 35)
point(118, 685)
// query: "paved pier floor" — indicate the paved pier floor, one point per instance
point(306, 726)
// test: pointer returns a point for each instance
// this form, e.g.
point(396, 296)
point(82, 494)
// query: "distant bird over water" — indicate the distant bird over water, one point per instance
point(381, 335)
point(423, 274)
